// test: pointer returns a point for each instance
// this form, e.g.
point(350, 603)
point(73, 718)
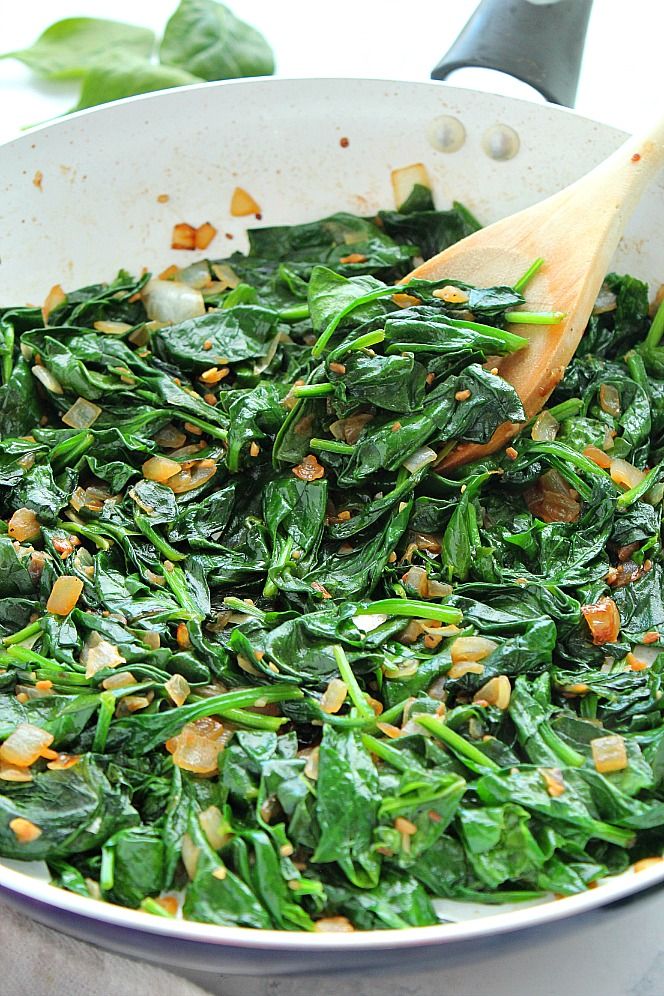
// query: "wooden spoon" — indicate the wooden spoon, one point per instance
point(576, 231)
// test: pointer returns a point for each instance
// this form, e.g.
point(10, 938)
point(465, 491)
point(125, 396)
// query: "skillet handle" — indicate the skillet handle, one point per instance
point(537, 41)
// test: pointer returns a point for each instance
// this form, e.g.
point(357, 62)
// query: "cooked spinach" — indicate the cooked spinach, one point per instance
point(257, 654)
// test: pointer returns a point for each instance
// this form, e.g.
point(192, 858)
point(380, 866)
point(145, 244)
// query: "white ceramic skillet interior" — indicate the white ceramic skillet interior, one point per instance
point(82, 197)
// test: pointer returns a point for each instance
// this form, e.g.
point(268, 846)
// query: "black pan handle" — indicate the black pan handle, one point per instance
point(537, 41)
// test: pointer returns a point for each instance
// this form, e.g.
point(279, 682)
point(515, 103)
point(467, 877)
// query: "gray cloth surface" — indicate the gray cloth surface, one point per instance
point(38, 961)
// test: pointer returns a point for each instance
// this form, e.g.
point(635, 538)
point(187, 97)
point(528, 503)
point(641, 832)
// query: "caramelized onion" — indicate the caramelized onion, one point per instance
point(609, 400)
point(545, 428)
point(23, 525)
point(334, 696)
point(625, 474)
point(65, 593)
point(82, 414)
point(603, 620)
point(198, 745)
point(497, 692)
point(609, 754)
point(192, 475)
point(471, 648)
point(25, 745)
point(160, 469)
point(552, 500)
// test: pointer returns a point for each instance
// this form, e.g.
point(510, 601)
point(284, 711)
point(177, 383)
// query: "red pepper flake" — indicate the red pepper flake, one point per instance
point(511, 453)
point(396, 426)
point(319, 587)
point(636, 157)
point(344, 143)
point(309, 469)
point(652, 636)
point(354, 257)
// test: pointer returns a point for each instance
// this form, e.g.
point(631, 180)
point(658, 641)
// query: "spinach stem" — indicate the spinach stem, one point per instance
point(455, 741)
point(412, 609)
point(331, 446)
point(362, 342)
point(158, 541)
point(295, 314)
point(534, 317)
point(524, 280)
point(312, 390)
point(23, 634)
point(385, 751)
point(656, 330)
point(358, 697)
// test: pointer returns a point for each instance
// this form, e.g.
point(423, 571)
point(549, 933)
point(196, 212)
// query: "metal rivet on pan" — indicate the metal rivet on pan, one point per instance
point(446, 133)
point(500, 142)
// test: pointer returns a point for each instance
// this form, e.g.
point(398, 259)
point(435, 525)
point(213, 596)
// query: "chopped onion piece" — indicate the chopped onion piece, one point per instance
point(366, 624)
point(471, 648)
point(625, 474)
point(197, 275)
point(333, 925)
point(243, 204)
point(439, 589)
point(46, 378)
point(603, 620)
point(65, 593)
point(55, 297)
point(600, 457)
point(14, 773)
point(199, 473)
point(226, 276)
point(177, 688)
point(609, 754)
point(451, 294)
point(497, 692)
point(160, 469)
point(213, 826)
point(416, 578)
point(334, 696)
point(112, 328)
point(172, 301)
point(183, 237)
point(465, 667)
point(25, 745)
point(121, 680)
point(190, 856)
point(25, 830)
point(198, 745)
point(420, 458)
point(545, 428)
point(100, 654)
point(23, 525)
point(609, 400)
point(407, 177)
point(170, 438)
point(606, 301)
point(82, 414)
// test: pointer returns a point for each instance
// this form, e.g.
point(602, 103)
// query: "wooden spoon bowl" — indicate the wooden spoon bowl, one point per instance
point(576, 231)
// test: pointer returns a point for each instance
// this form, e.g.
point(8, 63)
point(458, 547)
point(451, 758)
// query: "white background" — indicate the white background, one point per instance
point(622, 81)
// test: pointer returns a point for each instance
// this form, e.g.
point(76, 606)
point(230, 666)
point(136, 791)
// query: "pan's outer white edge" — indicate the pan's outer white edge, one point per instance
point(242, 937)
